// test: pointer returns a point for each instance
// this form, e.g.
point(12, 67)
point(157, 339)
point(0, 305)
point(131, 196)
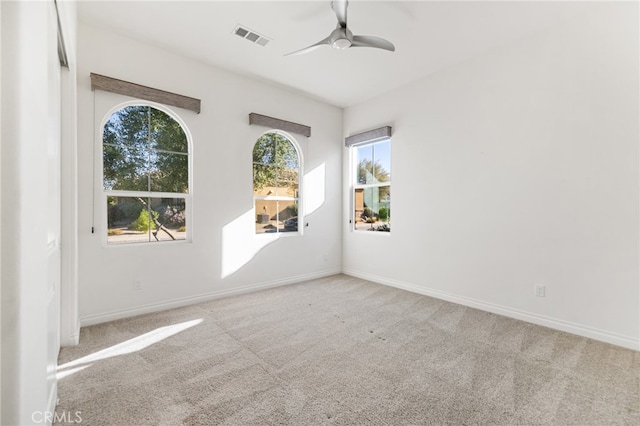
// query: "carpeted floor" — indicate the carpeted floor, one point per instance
point(341, 350)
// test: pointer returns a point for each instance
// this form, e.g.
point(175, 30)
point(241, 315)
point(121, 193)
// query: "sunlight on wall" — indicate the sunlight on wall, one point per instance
point(127, 347)
point(240, 244)
point(314, 189)
point(239, 241)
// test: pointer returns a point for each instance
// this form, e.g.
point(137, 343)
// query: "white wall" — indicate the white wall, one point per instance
point(514, 168)
point(69, 321)
point(31, 108)
point(179, 273)
point(24, 166)
point(1, 328)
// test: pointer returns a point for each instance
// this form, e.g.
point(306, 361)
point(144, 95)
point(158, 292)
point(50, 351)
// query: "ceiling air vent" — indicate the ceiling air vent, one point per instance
point(251, 35)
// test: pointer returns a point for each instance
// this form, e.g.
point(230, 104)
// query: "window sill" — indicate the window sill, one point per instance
point(147, 243)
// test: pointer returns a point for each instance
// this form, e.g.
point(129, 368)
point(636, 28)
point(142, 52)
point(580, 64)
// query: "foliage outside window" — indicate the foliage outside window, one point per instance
point(372, 186)
point(276, 181)
point(145, 176)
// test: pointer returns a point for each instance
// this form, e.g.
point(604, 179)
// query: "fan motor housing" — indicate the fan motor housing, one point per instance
point(341, 38)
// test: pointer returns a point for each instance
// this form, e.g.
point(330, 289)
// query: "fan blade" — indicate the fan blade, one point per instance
point(340, 9)
point(371, 41)
point(326, 41)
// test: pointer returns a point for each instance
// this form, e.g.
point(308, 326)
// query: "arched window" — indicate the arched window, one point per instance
point(145, 153)
point(276, 183)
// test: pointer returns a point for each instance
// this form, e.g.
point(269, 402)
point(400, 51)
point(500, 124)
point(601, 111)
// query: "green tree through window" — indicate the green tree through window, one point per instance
point(145, 169)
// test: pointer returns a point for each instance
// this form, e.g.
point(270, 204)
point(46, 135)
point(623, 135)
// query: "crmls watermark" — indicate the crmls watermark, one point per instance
point(56, 417)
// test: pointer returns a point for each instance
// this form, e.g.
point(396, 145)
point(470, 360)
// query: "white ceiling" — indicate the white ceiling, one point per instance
point(428, 36)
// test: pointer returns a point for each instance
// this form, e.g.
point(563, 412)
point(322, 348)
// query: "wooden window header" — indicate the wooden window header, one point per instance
point(276, 123)
point(370, 136)
point(134, 90)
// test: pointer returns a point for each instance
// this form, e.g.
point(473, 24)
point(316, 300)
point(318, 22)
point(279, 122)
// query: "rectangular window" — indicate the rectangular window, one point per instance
point(140, 219)
point(372, 186)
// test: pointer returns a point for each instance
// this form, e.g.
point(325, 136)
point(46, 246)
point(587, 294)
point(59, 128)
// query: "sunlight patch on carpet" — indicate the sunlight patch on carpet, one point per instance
point(129, 346)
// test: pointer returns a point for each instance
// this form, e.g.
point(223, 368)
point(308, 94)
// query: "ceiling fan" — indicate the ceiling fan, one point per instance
point(342, 37)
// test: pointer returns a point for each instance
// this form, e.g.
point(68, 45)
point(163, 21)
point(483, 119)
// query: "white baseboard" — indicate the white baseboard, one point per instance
point(185, 301)
point(71, 340)
point(556, 324)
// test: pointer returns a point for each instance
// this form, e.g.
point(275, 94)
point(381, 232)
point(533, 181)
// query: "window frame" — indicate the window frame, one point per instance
point(298, 199)
point(104, 194)
point(355, 185)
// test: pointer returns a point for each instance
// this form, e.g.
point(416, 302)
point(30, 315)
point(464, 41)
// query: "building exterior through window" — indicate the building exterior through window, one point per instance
point(276, 184)
point(372, 186)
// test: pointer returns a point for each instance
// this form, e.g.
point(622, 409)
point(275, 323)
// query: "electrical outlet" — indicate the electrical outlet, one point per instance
point(540, 290)
point(137, 285)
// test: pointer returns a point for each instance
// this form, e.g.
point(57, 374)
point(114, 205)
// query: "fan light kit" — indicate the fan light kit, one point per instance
point(342, 38)
point(341, 43)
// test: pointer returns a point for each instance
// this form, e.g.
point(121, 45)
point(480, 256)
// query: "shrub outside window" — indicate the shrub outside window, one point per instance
point(276, 183)
point(145, 154)
point(372, 186)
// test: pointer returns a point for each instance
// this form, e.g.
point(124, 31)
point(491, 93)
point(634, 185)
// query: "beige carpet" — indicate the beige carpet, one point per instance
point(341, 350)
